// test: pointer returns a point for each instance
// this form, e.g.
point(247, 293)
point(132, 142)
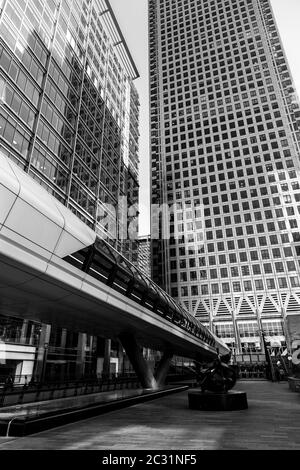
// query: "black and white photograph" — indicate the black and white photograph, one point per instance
point(149, 231)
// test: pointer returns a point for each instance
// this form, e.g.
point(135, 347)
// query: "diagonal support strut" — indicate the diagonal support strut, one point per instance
point(141, 366)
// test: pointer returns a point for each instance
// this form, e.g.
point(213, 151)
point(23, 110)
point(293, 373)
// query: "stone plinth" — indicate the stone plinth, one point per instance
point(294, 384)
point(217, 401)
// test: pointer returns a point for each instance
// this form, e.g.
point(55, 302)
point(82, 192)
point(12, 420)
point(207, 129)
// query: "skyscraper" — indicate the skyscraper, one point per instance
point(225, 137)
point(69, 117)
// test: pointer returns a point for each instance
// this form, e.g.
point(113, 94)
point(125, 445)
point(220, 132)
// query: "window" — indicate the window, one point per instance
point(234, 271)
point(259, 285)
point(215, 288)
point(291, 266)
point(204, 290)
point(256, 269)
point(243, 257)
point(224, 272)
point(282, 282)
point(225, 287)
point(245, 270)
point(288, 251)
point(194, 290)
point(270, 284)
point(174, 292)
point(232, 258)
point(248, 286)
point(294, 281)
point(236, 287)
point(184, 291)
point(268, 268)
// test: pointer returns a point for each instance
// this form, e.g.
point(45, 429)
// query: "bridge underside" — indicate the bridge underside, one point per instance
point(95, 309)
point(38, 281)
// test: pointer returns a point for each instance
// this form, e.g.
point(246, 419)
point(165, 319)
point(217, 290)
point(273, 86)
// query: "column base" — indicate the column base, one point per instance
point(294, 384)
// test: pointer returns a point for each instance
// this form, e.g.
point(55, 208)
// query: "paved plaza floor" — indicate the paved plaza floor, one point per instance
point(271, 422)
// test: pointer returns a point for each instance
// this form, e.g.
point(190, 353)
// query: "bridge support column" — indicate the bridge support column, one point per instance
point(106, 361)
point(140, 365)
point(80, 359)
point(42, 353)
point(24, 332)
point(163, 368)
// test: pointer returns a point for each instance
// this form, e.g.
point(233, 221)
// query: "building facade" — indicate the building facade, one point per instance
point(225, 137)
point(69, 117)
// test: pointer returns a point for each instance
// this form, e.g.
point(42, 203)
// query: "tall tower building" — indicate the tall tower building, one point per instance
point(225, 142)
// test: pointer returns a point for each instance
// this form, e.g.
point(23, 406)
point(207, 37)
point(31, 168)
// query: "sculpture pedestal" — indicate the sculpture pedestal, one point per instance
point(294, 384)
point(217, 401)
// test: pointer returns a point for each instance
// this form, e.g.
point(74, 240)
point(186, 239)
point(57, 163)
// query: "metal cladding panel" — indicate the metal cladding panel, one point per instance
point(75, 233)
point(35, 219)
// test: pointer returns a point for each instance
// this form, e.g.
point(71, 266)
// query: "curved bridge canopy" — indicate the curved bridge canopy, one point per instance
point(95, 290)
point(104, 263)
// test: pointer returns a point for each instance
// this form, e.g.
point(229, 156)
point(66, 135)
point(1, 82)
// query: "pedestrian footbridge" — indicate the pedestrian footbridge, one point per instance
point(53, 269)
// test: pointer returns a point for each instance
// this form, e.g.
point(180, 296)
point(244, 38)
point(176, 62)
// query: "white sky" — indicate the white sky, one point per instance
point(132, 17)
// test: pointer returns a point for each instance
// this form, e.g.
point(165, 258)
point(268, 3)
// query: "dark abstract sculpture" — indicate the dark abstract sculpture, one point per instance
point(216, 381)
point(296, 359)
point(294, 367)
point(218, 376)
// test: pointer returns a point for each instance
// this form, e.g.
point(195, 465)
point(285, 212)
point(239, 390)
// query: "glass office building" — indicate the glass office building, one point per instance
point(70, 111)
point(225, 136)
point(69, 117)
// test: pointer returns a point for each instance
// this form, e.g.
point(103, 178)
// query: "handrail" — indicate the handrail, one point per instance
point(120, 274)
point(46, 391)
point(15, 385)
